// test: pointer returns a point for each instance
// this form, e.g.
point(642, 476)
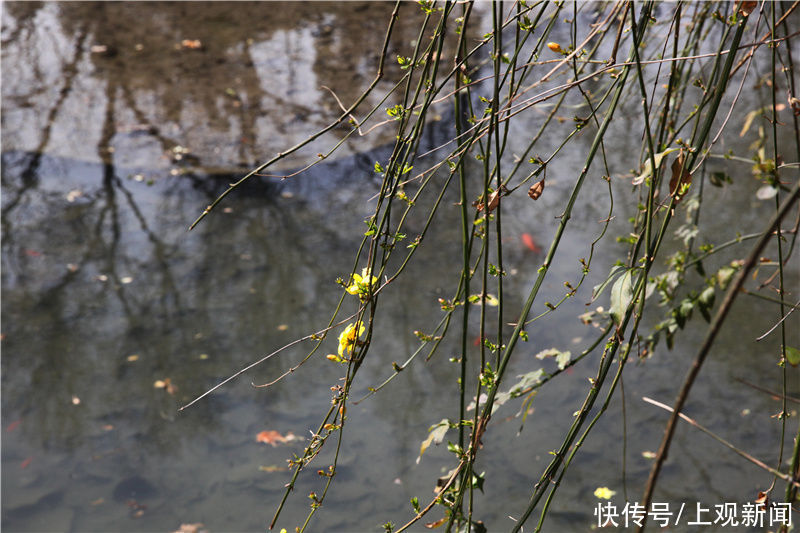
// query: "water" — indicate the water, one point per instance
point(109, 155)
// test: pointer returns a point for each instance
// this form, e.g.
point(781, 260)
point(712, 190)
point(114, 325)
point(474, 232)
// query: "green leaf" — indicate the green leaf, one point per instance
point(616, 270)
point(648, 171)
point(562, 358)
point(528, 380)
point(436, 436)
point(621, 296)
point(792, 356)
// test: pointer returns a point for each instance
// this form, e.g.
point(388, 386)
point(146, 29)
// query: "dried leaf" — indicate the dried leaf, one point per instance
point(762, 499)
point(494, 200)
point(795, 103)
point(73, 195)
point(748, 121)
point(271, 468)
point(536, 190)
point(192, 528)
point(438, 523)
point(192, 44)
point(167, 384)
point(746, 7)
point(681, 178)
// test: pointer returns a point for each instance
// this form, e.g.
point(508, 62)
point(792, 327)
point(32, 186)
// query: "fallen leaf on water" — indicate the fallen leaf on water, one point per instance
point(13, 425)
point(283, 327)
point(192, 44)
point(96, 502)
point(529, 243)
point(125, 280)
point(273, 438)
point(272, 468)
point(26, 462)
point(604, 493)
point(648, 454)
point(132, 358)
point(191, 528)
point(73, 195)
point(167, 384)
point(75, 400)
point(33, 253)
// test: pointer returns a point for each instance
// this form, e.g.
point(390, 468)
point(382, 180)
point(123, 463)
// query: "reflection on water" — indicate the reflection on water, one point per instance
point(115, 135)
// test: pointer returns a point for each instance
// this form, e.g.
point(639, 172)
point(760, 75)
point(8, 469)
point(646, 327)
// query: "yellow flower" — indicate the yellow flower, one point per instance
point(604, 493)
point(349, 337)
point(361, 284)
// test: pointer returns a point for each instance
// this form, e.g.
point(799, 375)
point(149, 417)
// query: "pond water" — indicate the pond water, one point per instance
point(120, 123)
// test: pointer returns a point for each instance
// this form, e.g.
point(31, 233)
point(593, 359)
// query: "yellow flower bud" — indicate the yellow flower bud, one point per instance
point(555, 47)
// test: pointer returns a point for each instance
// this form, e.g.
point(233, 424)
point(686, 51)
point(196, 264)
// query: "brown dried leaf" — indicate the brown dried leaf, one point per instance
point(434, 525)
point(795, 103)
point(679, 179)
point(762, 500)
point(746, 7)
point(536, 190)
point(192, 44)
point(494, 200)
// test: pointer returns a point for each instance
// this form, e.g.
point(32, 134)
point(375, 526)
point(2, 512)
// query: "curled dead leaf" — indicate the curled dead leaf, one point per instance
point(434, 525)
point(762, 500)
point(746, 7)
point(536, 190)
point(795, 103)
point(681, 178)
point(494, 200)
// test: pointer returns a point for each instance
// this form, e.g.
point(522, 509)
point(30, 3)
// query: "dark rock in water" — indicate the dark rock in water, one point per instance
point(134, 488)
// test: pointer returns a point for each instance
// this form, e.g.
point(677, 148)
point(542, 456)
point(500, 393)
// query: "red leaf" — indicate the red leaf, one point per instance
point(26, 462)
point(13, 425)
